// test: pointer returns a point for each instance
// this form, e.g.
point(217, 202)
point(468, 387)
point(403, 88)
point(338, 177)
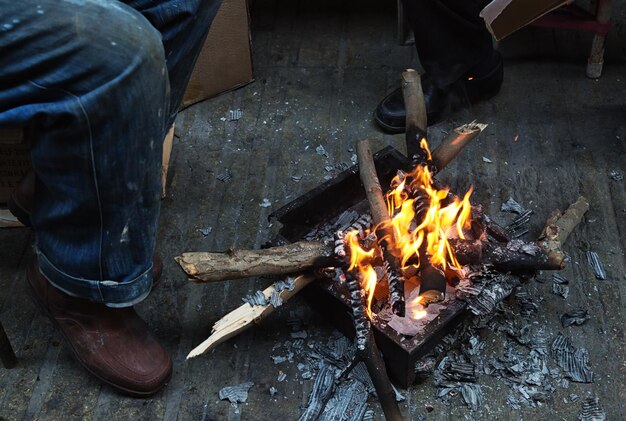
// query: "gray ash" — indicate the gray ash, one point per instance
point(575, 317)
point(574, 361)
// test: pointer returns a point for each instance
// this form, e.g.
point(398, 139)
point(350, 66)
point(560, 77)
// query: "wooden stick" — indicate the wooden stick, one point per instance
point(559, 227)
point(367, 351)
point(245, 316)
point(413, 96)
point(369, 178)
point(454, 143)
point(292, 258)
point(416, 116)
point(378, 373)
point(382, 222)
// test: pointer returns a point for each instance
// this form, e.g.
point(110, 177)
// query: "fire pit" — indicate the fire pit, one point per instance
point(313, 212)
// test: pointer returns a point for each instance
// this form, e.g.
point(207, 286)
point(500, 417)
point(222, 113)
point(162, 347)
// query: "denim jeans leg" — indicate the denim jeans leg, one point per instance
point(184, 25)
point(87, 82)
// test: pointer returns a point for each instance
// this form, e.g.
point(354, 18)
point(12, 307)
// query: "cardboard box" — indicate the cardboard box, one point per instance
point(225, 62)
point(503, 17)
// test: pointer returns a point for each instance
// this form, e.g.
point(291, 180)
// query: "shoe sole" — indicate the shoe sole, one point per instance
point(42, 307)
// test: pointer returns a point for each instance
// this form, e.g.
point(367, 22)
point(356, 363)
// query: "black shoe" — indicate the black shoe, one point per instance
point(390, 114)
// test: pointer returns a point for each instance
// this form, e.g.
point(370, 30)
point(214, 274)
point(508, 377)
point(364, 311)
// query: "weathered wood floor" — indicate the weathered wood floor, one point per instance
point(320, 71)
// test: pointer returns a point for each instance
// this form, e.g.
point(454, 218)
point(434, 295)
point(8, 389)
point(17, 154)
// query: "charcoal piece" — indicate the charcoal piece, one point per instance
point(275, 299)
point(278, 359)
point(526, 304)
point(512, 402)
point(596, 265)
point(561, 290)
point(532, 394)
point(512, 206)
point(490, 296)
point(557, 278)
point(591, 411)
point(518, 227)
point(616, 175)
point(234, 115)
point(236, 394)
point(287, 284)
point(369, 415)
point(256, 299)
point(575, 317)
point(360, 373)
point(459, 371)
point(321, 151)
point(425, 367)
point(336, 352)
point(574, 361)
point(224, 176)
point(472, 395)
point(340, 244)
point(349, 403)
point(322, 389)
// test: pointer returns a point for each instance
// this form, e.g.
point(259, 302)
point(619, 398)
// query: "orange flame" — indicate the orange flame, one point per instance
point(439, 219)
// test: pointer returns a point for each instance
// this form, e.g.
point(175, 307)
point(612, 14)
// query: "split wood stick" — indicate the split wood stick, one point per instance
point(454, 143)
point(236, 264)
point(559, 227)
point(245, 316)
point(382, 222)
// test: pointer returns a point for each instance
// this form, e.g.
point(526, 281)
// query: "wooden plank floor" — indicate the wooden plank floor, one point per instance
point(321, 68)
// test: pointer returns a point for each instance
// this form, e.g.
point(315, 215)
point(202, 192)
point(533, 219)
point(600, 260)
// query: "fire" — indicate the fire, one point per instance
point(423, 219)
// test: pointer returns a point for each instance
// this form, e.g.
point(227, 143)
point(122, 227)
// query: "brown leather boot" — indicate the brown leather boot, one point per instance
point(115, 345)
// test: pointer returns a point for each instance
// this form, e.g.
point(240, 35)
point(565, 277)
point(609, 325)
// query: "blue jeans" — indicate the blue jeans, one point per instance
point(94, 85)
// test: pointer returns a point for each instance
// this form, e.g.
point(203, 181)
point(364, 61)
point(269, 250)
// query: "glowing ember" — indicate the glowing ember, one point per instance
point(422, 220)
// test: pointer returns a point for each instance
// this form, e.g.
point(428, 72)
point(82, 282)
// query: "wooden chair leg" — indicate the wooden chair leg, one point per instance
point(9, 360)
point(596, 57)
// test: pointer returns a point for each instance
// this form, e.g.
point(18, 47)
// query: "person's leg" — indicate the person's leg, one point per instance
point(457, 54)
point(450, 37)
point(184, 25)
point(87, 83)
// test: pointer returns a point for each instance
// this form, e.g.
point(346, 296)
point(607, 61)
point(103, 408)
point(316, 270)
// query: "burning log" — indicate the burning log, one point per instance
point(513, 256)
point(367, 351)
point(282, 260)
point(246, 315)
point(382, 222)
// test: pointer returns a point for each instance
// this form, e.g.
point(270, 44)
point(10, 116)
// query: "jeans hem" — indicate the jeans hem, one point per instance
point(110, 293)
